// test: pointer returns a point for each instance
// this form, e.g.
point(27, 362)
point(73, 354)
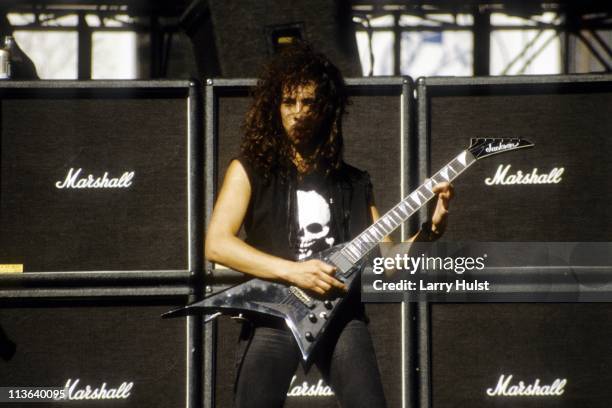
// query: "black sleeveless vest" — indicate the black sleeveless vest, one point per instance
point(270, 223)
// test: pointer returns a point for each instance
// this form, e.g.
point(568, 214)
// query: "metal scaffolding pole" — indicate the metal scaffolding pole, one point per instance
point(482, 42)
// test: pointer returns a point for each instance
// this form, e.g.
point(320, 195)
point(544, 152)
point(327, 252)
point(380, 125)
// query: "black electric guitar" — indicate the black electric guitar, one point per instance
point(307, 315)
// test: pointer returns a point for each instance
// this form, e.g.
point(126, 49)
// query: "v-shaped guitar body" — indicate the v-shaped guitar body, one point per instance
point(306, 315)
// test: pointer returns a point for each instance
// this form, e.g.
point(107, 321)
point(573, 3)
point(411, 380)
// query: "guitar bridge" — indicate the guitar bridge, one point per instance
point(302, 296)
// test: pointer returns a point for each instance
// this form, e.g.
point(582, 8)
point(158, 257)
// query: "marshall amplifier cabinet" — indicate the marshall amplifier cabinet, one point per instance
point(100, 176)
point(375, 131)
point(557, 191)
point(519, 354)
point(110, 355)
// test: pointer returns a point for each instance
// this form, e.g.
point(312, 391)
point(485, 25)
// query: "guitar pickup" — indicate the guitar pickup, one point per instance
point(302, 297)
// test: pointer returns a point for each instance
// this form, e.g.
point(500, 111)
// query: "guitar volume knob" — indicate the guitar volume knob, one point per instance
point(312, 317)
point(308, 335)
point(328, 304)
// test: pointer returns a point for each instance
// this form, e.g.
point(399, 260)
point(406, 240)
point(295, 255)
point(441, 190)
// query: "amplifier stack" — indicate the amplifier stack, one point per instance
point(106, 188)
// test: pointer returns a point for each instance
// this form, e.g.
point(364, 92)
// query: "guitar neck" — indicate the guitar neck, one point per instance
point(361, 245)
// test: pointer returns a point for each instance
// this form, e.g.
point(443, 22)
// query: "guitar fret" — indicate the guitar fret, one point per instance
point(415, 197)
point(348, 255)
point(393, 217)
point(369, 244)
point(353, 251)
point(410, 209)
point(424, 195)
point(375, 233)
point(397, 215)
point(360, 243)
point(364, 247)
point(444, 173)
point(382, 226)
point(404, 212)
point(386, 221)
point(429, 185)
point(462, 158)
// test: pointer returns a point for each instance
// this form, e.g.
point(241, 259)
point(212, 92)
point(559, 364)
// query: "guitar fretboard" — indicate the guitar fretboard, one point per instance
point(361, 245)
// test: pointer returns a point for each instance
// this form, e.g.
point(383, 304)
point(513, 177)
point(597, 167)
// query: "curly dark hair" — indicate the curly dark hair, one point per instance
point(265, 144)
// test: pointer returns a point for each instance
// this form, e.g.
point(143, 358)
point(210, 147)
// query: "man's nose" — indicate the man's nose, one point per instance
point(299, 106)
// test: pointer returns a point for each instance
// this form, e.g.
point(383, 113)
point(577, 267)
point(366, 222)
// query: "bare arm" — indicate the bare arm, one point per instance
point(223, 245)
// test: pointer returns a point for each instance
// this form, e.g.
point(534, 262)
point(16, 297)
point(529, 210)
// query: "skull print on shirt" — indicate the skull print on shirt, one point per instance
point(314, 220)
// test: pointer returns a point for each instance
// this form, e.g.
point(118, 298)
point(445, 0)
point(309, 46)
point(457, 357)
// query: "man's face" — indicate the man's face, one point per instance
point(297, 107)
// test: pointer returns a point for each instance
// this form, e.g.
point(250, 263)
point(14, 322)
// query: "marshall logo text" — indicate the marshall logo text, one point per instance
point(503, 177)
point(87, 392)
point(309, 390)
point(72, 180)
point(505, 388)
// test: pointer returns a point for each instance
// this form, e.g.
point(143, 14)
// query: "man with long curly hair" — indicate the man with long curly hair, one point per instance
point(294, 195)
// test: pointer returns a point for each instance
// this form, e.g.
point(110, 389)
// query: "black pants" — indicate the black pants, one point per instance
point(270, 357)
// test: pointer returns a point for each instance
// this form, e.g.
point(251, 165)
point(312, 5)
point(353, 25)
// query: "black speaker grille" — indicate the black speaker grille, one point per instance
point(474, 344)
point(96, 344)
point(143, 227)
point(571, 130)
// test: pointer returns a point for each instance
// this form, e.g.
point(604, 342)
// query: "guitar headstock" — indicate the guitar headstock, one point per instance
point(484, 147)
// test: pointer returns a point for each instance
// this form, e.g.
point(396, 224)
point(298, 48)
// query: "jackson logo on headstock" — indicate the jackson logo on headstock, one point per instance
point(500, 146)
point(74, 180)
point(505, 388)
